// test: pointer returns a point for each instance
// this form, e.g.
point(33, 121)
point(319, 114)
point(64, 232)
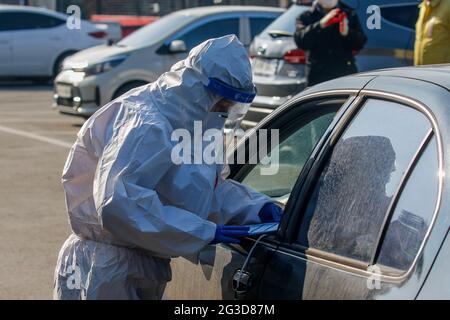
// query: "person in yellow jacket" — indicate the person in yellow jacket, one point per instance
point(433, 33)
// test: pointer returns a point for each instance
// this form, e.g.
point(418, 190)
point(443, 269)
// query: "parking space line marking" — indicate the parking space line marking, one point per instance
point(36, 137)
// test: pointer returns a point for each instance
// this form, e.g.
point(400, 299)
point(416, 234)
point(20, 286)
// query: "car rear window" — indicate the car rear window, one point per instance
point(350, 200)
point(285, 22)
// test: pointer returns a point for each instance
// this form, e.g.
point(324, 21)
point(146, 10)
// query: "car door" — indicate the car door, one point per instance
point(302, 125)
point(5, 45)
point(202, 30)
point(36, 43)
point(356, 225)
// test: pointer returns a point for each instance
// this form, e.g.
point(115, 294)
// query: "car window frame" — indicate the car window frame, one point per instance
point(287, 239)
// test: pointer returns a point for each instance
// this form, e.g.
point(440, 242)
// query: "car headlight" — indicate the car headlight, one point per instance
point(104, 66)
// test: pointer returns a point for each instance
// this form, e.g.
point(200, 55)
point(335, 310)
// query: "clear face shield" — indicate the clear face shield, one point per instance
point(233, 107)
point(233, 112)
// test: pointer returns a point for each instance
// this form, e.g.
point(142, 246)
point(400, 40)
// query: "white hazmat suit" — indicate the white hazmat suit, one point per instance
point(130, 207)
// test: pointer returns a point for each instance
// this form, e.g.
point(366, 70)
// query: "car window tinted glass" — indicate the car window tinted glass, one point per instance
point(405, 15)
point(294, 151)
point(413, 213)
point(4, 19)
point(257, 25)
point(213, 29)
point(350, 199)
point(285, 22)
point(27, 20)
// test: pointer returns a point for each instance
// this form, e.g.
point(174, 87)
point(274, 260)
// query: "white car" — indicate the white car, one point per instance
point(35, 41)
point(92, 77)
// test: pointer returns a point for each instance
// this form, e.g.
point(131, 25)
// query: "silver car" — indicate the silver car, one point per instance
point(93, 77)
point(363, 164)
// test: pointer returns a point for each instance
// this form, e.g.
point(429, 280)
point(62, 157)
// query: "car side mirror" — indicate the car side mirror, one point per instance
point(177, 46)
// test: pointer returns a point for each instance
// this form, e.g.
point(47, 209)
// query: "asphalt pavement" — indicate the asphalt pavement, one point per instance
point(34, 142)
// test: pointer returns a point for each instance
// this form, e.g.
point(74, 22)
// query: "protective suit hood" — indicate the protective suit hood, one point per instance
point(181, 94)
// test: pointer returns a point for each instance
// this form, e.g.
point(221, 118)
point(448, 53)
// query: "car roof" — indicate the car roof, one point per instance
point(200, 11)
point(436, 74)
point(10, 7)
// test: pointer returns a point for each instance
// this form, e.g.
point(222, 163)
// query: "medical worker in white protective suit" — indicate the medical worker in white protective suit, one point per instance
point(130, 207)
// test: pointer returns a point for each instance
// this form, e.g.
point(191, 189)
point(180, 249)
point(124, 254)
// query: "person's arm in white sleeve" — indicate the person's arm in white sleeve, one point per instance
point(131, 165)
point(237, 203)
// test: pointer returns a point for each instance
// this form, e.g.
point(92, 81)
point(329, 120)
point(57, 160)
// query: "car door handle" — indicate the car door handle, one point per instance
point(242, 282)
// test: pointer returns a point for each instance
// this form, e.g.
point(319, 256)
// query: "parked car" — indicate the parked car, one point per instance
point(279, 67)
point(35, 41)
point(93, 77)
point(128, 24)
point(362, 162)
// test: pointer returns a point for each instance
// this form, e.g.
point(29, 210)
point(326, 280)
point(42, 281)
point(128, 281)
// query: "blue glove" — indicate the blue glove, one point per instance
point(270, 212)
point(229, 234)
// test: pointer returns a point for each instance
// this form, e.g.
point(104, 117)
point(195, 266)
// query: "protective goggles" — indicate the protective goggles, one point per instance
point(228, 92)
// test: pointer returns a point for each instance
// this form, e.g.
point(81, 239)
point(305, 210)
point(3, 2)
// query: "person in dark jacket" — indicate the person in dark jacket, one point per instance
point(331, 34)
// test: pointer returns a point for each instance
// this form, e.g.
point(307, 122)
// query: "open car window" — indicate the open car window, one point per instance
point(298, 135)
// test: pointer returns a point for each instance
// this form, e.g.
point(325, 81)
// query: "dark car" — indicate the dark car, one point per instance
point(279, 67)
point(362, 171)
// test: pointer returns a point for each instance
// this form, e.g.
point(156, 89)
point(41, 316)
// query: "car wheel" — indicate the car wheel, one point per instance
point(127, 87)
point(57, 67)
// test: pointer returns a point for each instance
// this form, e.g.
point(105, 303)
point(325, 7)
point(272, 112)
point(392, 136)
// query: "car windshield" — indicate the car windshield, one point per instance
point(284, 24)
point(156, 31)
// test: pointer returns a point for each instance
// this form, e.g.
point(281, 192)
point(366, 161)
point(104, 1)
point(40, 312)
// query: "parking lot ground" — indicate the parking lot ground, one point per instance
point(34, 142)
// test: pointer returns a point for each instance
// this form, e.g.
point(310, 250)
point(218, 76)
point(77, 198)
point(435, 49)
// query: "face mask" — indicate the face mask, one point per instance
point(238, 112)
point(328, 4)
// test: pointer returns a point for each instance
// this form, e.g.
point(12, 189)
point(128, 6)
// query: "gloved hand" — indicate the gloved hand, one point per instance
point(330, 18)
point(270, 212)
point(229, 234)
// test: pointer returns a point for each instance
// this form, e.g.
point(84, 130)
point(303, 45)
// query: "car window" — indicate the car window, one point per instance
point(27, 20)
point(350, 199)
point(294, 151)
point(285, 22)
point(413, 213)
point(156, 31)
point(404, 15)
point(213, 29)
point(257, 25)
point(300, 129)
